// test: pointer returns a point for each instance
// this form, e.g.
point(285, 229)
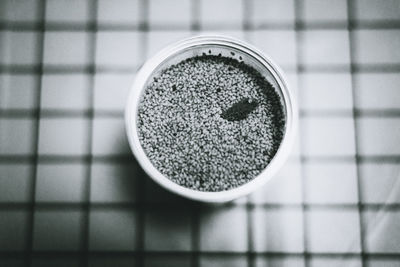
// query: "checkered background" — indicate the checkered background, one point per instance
point(71, 193)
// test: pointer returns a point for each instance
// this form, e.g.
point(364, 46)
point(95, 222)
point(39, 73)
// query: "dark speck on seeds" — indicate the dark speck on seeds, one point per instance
point(240, 110)
point(210, 141)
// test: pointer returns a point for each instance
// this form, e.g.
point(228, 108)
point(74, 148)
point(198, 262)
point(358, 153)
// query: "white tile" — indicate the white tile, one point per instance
point(267, 261)
point(284, 187)
point(325, 10)
point(112, 230)
point(322, 91)
point(331, 183)
point(65, 91)
point(17, 91)
point(118, 49)
point(157, 194)
point(218, 233)
point(382, 235)
point(59, 261)
point(15, 182)
point(19, 11)
point(113, 182)
point(377, 90)
point(370, 10)
point(170, 12)
point(295, 153)
point(380, 183)
point(119, 11)
point(277, 230)
point(60, 136)
point(221, 13)
point(379, 262)
point(167, 261)
point(167, 230)
point(12, 262)
point(65, 48)
point(111, 91)
point(241, 200)
point(60, 183)
point(109, 137)
point(223, 261)
point(328, 136)
point(264, 12)
point(67, 11)
point(379, 136)
point(292, 79)
point(13, 230)
point(16, 136)
point(280, 45)
point(377, 46)
point(19, 48)
point(111, 261)
point(157, 40)
point(333, 231)
point(322, 47)
point(238, 34)
point(334, 262)
point(57, 230)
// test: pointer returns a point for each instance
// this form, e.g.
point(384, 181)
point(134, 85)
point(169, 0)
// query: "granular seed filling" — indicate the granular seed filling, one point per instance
point(210, 123)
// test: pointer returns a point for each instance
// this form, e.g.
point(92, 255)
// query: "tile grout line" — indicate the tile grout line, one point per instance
point(298, 6)
point(352, 48)
point(155, 253)
point(50, 158)
point(36, 132)
point(65, 113)
point(196, 207)
point(105, 68)
point(91, 50)
point(195, 16)
point(160, 206)
point(53, 26)
point(141, 185)
point(246, 14)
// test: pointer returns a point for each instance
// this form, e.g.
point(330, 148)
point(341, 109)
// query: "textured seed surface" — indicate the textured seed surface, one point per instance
point(210, 123)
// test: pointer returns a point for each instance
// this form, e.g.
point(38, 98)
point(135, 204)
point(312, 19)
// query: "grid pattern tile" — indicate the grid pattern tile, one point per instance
point(72, 194)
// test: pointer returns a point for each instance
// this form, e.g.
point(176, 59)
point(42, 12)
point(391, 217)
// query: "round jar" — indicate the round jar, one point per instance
point(227, 47)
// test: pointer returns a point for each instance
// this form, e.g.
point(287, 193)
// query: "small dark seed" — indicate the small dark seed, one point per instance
point(232, 53)
point(209, 51)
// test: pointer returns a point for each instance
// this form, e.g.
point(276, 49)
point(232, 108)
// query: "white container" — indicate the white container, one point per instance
point(196, 46)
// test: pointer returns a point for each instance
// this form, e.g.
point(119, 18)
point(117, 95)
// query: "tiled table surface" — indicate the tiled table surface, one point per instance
point(72, 194)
